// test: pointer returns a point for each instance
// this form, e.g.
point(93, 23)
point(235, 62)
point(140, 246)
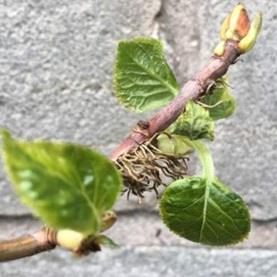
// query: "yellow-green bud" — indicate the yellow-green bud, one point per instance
point(236, 27)
point(108, 220)
point(73, 240)
point(247, 43)
point(224, 27)
point(220, 49)
point(70, 239)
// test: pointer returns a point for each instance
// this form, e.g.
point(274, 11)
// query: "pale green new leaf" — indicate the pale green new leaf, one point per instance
point(106, 241)
point(173, 145)
point(195, 123)
point(68, 186)
point(208, 213)
point(142, 78)
point(222, 103)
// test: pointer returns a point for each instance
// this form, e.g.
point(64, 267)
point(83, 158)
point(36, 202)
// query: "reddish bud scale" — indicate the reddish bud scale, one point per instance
point(243, 24)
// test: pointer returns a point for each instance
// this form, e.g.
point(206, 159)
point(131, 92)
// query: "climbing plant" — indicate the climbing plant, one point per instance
point(73, 188)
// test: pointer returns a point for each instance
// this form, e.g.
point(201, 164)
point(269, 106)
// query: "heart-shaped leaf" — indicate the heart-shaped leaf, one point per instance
point(142, 78)
point(205, 212)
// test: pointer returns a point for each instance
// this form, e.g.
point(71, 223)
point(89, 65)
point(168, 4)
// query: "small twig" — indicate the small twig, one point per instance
point(209, 106)
point(44, 240)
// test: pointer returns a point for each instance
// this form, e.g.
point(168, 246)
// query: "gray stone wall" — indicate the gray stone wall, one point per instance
point(56, 60)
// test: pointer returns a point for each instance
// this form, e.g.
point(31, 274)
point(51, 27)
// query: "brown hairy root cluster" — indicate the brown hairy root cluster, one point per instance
point(145, 167)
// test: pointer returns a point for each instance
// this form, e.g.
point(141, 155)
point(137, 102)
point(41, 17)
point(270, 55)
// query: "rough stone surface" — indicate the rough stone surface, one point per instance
point(149, 261)
point(137, 228)
point(56, 71)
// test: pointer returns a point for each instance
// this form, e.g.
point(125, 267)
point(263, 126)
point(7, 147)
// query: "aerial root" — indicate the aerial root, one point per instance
point(145, 168)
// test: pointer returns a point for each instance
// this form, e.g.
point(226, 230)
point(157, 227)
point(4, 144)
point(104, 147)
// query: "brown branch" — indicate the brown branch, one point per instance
point(47, 239)
point(26, 246)
point(192, 90)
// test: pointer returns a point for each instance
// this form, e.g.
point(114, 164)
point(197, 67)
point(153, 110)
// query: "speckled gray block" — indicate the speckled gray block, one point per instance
point(56, 60)
point(149, 261)
point(137, 228)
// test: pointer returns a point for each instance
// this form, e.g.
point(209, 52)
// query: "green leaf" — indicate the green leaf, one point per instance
point(104, 240)
point(173, 145)
point(205, 212)
point(219, 97)
point(68, 186)
point(142, 78)
point(195, 123)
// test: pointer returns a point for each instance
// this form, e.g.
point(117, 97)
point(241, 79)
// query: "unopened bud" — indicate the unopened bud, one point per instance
point(239, 23)
point(247, 43)
point(236, 25)
point(70, 239)
point(220, 49)
point(224, 27)
point(108, 220)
